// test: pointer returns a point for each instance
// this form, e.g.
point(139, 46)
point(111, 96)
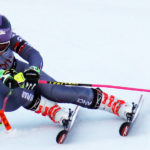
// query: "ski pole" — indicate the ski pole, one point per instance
point(94, 85)
point(19, 78)
point(5, 99)
point(4, 120)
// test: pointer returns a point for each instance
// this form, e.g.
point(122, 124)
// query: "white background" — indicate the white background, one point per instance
point(87, 41)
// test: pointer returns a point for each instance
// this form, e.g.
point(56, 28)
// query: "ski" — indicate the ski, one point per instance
point(127, 125)
point(61, 136)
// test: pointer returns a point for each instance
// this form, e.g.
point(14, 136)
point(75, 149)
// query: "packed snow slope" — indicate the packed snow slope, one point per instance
point(87, 41)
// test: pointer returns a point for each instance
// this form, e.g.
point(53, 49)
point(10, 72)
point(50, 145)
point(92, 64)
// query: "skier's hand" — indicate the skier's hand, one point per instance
point(7, 76)
point(32, 75)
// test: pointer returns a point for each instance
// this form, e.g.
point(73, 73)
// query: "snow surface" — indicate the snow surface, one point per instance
point(87, 41)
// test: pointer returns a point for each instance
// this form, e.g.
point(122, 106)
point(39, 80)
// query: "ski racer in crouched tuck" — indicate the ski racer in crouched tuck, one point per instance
point(28, 92)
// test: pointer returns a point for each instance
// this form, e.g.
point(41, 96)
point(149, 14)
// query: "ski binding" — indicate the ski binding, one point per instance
point(126, 126)
point(67, 125)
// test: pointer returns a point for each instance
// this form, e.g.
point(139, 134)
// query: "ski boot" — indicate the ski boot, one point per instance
point(49, 108)
point(109, 103)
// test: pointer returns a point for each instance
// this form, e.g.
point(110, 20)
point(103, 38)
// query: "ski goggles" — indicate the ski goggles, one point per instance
point(4, 46)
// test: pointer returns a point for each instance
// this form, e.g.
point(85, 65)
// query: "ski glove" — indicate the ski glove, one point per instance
point(7, 76)
point(32, 75)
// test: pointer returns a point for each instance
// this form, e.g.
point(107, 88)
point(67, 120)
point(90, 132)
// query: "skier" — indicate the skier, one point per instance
point(28, 94)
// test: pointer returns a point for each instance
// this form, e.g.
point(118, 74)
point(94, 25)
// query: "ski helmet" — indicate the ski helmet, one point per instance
point(5, 33)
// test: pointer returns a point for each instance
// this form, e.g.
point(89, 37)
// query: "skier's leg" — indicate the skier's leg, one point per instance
point(65, 94)
point(42, 105)
point(85, 97)
point(31, 100)
point(19, 97)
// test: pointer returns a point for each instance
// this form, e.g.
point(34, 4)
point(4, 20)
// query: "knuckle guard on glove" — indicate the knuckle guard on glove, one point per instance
point(32, 76)
point(11, 83)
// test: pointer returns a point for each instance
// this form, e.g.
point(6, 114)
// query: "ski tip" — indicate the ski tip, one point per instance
point(124, 129)
point(61, 137)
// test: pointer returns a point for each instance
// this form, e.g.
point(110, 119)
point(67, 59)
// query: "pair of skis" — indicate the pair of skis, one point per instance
point(124, 128)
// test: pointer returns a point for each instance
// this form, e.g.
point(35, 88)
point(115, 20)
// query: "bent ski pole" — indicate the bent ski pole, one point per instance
point(3, 117)
point(5, 99)
point(94, 85)
point(5, 121)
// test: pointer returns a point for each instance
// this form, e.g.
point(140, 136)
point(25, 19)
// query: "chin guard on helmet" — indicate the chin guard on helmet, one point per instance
point(4, 46)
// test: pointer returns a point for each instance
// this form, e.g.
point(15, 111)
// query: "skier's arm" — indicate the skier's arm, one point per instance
point(32, 56)
point(28, 53)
